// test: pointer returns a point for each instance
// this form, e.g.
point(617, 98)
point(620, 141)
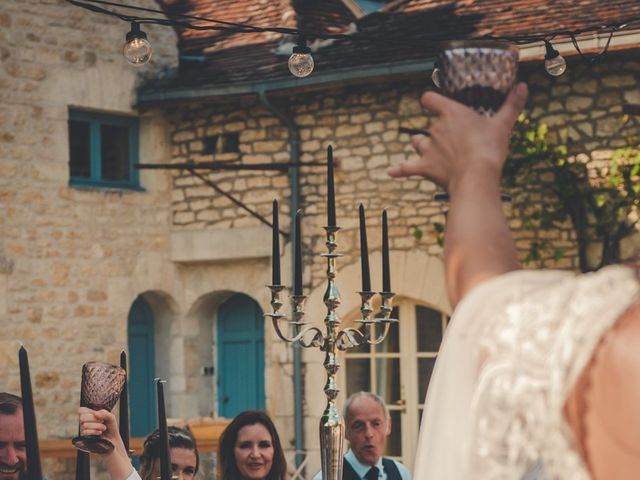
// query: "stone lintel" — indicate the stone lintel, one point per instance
point(189, 246)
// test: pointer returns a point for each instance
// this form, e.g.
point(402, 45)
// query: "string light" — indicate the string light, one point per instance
point(301, 62)
point(137, 49)
point(435, 75)
point(554, 63)
point(304, 63)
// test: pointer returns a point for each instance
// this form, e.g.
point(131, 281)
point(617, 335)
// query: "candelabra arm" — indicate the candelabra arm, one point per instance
point(350, 337)
point(296, 326)
point(372, 340)
point(385, 320)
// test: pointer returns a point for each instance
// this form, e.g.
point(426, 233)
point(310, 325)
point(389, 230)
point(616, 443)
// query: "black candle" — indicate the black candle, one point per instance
point(386, 273)
point(275, 251)
point(165, 459)
point(297, 257)
point(331, 197)
point(123, 420)
point(83, 461)
point(364, 252)
point(29, 418)
point(83, 465)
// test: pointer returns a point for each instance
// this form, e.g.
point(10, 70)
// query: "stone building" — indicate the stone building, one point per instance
point(164, 263)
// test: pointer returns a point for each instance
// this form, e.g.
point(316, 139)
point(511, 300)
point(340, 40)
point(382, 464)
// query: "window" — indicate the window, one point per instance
point(399, 370)
point(225, 143)
point(360, 8)
point(102, 150)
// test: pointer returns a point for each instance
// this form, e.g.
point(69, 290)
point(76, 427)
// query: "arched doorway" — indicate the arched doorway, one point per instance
point(240, 356)
point(142, 368)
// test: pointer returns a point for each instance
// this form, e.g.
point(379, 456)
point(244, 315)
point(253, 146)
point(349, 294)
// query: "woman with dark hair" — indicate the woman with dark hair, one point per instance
point(250, 449)
point(182, 449)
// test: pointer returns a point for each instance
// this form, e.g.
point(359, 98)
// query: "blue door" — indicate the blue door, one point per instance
point(240, 356)
point(142, 368)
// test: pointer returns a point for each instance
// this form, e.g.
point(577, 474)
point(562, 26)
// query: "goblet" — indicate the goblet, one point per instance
point(479, 74)
point(102, 384)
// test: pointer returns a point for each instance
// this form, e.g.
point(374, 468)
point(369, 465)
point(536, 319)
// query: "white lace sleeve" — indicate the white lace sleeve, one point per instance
point(543, 333)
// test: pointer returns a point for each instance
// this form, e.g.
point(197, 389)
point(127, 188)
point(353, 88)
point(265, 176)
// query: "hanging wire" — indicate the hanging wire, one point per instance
point(594, 58)
point(185, 21)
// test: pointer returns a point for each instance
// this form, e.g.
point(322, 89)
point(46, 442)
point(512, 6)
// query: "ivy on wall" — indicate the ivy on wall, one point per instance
point(599, 199)
point(555, 187)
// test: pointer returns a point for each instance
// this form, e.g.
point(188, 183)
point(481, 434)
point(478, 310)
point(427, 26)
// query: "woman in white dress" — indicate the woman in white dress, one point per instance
point(538, 376)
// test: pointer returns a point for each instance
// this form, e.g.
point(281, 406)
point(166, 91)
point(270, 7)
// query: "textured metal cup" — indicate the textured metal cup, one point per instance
point(478, 73)
point(102, 384)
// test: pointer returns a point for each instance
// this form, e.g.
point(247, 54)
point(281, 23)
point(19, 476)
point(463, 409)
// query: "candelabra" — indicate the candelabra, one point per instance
point(335, 338)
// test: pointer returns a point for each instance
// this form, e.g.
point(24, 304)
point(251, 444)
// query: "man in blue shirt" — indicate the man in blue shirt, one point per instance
point(368, 424)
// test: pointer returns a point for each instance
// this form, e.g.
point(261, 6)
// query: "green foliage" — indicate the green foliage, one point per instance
point(599, 199)
point(417, 232)
point(439, 228)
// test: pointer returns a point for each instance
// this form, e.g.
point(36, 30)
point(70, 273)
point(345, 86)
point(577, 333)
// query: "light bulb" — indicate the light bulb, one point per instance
point(137, 50)
point(554, 63)
point(301, 62)
point(435, 76)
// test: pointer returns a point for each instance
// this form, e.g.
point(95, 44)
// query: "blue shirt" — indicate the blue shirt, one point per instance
point(361, 469)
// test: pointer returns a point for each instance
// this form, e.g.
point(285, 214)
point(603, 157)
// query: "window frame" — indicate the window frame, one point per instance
point(410, 405)
point(95, 121)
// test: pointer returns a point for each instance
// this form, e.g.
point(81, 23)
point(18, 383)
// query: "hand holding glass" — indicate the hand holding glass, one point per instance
point(479, 74)
point(102, 384)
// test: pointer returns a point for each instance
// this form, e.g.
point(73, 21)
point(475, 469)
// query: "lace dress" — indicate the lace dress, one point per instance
point(514, 350)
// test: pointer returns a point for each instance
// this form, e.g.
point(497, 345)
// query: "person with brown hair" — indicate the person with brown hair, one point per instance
point(13, 453)
point(185, 459)
point(537, 375)
point(250, 449)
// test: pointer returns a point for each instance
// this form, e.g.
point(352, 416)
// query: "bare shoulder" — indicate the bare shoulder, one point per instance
point(602, 409)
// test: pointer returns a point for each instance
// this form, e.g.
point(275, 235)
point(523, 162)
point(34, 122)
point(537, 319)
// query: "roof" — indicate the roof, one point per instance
point(402, 32)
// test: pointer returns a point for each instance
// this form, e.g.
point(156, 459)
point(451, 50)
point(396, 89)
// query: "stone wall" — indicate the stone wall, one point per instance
point(582, 108)
point(72, 259)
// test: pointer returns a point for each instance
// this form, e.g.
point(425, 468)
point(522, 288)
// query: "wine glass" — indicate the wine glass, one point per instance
point(479, 74)
point(102, 384)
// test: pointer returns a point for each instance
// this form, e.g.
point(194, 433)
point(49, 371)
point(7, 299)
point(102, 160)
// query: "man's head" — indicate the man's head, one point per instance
point(367, 426)
point(13, 453)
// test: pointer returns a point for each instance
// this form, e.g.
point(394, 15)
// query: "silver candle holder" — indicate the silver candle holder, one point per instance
point(332, 340)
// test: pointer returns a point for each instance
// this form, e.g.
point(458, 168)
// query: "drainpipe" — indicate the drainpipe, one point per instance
point(294, 182)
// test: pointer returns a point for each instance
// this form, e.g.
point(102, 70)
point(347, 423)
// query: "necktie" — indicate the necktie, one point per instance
point(372, 474)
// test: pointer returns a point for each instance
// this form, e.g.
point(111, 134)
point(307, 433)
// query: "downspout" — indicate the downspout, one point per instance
point(294, 182)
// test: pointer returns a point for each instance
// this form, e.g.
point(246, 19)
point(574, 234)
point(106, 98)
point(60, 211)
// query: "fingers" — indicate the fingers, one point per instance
point(96, 422)
point(436, 103)
point(90, 424)
point(513, 105)
point(92, 428)
point(420, 144)
point(406, 169)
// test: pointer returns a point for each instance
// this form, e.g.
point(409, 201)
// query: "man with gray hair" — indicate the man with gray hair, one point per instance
point(368, 424)
point(13, 452)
